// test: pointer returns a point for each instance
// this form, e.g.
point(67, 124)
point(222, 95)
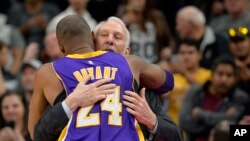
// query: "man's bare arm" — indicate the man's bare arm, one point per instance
point(47, 87)
point(38, 101)
point(83, 95)
point(150, 75)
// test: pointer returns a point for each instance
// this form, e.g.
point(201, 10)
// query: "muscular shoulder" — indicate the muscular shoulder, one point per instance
point(44, 72)
point(45, 68)
point(136, 61)
point(48, 81)
point(137, 64)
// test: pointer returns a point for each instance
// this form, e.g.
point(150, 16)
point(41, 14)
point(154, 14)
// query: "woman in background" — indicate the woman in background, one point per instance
point(13, 118)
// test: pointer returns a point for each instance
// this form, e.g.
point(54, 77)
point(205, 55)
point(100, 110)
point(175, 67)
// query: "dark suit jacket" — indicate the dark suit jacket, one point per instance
point(55, 119)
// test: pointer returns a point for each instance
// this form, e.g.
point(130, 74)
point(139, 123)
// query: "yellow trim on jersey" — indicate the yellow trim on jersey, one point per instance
point(60, 79)
point(86, 55)
point(139, 132)
point(63, 134)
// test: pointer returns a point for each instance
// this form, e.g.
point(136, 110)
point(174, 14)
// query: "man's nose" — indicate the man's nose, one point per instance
point(224, 78)
point(110, 40)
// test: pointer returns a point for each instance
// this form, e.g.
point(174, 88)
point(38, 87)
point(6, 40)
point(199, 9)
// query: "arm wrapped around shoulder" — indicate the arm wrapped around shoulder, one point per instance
point(168, 84)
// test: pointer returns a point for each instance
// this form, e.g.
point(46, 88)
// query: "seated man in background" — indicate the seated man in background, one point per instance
point(240, 49)
point(187, 72)
point(217, 100)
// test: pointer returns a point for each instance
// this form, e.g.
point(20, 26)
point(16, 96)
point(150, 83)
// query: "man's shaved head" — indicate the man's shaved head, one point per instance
point(72, 26)
point(73, 30)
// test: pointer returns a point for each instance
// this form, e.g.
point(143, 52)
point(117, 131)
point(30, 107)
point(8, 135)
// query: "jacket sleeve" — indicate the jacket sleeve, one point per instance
point(52, 122)
point(167, 129)
point(49, 129)
point(187, 122)
point(237, 106)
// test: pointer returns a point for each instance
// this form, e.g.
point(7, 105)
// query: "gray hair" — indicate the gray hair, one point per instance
point(118, 21)
point(193, 14)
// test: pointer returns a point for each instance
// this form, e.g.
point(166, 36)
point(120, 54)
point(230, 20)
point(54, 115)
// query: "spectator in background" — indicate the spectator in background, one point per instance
point(28, 71)
point(52, 48)
point(187, 72)
point(31, 18)
point(190, 24)
point(78, 7)
point(12, 38)
point(237, 15)
point(218, 9)
point(240, 49)
point(217, 100)
point(148, 28)
point(211, 8)
point(165, 57)
point(239, 38)
point(13, 118)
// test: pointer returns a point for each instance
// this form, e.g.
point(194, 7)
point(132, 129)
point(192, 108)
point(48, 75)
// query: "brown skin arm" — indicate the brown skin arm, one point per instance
point(46, 88)
point(149, 75)
point(53, 85)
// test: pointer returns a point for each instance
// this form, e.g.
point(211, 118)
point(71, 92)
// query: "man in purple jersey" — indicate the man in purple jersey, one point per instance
point(75, 44)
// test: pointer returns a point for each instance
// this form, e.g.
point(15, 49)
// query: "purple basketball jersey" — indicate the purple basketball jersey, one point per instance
point(107, 120)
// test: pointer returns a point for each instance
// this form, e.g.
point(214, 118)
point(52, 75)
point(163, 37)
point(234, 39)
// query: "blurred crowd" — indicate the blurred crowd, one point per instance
point(204, 43)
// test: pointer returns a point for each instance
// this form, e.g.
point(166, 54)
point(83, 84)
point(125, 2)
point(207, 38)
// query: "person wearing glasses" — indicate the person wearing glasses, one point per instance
point(240, 49)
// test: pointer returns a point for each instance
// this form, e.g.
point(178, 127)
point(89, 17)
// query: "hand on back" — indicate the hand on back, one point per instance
point(85, 95)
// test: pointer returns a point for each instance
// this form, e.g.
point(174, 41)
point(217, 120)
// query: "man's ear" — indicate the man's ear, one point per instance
point(94, 40)
point(127, 51)
point(61, 46)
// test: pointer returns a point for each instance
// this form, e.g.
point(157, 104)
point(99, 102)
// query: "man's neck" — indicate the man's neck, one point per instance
point(193, 69)
point(79, 11)
point(80, 50)
point(211, 90)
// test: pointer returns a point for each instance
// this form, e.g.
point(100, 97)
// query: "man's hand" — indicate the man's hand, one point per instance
point(138, 106)
point(86, 95)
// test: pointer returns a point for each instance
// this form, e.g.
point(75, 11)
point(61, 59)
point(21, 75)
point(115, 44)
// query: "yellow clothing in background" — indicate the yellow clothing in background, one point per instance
point(181, 86)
